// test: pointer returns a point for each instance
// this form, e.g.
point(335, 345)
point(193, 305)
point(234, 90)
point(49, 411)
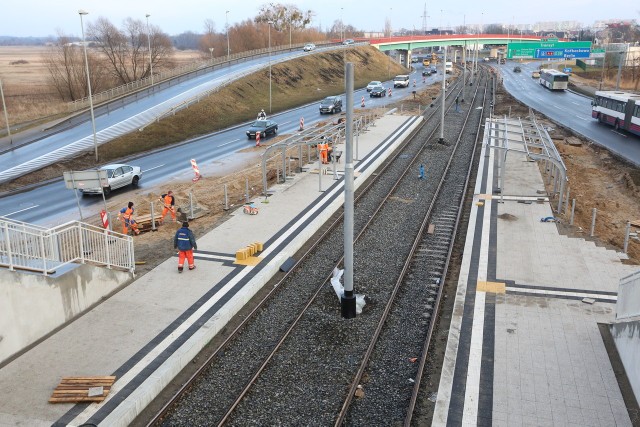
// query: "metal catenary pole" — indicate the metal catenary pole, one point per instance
point(348, 301)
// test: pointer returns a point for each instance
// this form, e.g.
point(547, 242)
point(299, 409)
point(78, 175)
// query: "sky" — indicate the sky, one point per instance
point(38, 18)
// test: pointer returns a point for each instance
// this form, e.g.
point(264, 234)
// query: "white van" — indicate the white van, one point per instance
point(448, 66)
point(401, 81)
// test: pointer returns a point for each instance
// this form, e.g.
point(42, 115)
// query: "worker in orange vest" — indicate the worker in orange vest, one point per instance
point(169, 205)
point(323, 152)
point(126, 215)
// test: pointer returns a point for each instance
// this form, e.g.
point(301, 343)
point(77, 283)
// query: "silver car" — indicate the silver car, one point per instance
point(373, 84)
point(119, 176)
point(309, 47)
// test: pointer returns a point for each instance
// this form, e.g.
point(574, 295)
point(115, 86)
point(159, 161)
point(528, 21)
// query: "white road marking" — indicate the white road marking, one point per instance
point(155, 167)
point(582, 118)
point(559, 108)
point(230, 142)
point(21, 210)
point(285, 123)
point(575, 103)
point(621, 134)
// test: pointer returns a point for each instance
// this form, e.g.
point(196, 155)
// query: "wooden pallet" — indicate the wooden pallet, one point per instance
point(76, 389)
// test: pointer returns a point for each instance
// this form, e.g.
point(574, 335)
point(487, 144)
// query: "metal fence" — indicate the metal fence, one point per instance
point(33, 248)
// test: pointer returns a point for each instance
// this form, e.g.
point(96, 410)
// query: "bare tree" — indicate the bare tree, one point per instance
point(127, 50)
point(283, 16)
point(67, 70)
point(387, 27)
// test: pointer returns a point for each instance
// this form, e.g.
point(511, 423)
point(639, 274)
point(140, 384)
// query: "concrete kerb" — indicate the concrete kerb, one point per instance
point(126, 412)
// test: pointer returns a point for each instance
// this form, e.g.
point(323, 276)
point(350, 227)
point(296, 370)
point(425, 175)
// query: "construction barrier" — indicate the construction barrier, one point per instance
point(104, 218)
point(362, 103)
point(195, 170)
point(389, 91)
point(301, 124)
point(257, 139)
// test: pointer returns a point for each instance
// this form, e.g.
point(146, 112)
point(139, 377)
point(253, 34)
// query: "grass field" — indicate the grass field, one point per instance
point(25, 82)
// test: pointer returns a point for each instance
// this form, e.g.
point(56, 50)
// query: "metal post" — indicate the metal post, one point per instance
point(226, 198)
point(464, 69)
point(348, 300)
point(444, 95)
point(619, 70)
point(75, 191)
point(319, 174)
point(626, 237)
point(566, 200)
point(573, 211)
point(150, 56)
point(300, 158)
point(153, 218)
point(190, 205)
point(604, 60)
point(270, 22)
point(246, 190)
point(593, 220)
point(6, 117)
point(227, 25)
point(284, 164)
point(86, 62)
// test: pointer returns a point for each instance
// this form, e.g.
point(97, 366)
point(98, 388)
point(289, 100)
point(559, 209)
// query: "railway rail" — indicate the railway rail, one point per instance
point(294, 360)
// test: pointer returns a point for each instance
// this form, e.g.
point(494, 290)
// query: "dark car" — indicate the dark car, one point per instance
point(331, 104)
point(516, 69)
point(263, 127)
point(378, 91)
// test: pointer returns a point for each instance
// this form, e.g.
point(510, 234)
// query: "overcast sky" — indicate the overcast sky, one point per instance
point(46, 17)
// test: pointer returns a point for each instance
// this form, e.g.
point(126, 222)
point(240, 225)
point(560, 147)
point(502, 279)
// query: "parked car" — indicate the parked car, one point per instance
point(348, 41)
point(535, 75)
point(516, 69)
point(373, 84)
point(378, 91)
point(309, 47)
point(262, 127)
point(401, 81)
point(119, 176)
point(331, 104)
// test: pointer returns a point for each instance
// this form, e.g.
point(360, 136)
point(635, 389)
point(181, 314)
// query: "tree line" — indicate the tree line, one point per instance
point(120, 55)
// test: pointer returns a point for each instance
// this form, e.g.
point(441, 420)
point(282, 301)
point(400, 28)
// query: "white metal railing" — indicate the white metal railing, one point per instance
point(33, 248)
point(628, 303)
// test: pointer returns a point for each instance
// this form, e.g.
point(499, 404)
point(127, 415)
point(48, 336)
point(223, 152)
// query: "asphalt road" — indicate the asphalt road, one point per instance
point(53, 204)
point(568, 108)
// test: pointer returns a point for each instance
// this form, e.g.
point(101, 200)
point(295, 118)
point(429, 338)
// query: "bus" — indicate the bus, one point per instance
point(554, 79)
point(618, 109)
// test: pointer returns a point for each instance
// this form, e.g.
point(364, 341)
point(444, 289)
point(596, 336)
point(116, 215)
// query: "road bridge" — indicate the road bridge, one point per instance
point(408, 43)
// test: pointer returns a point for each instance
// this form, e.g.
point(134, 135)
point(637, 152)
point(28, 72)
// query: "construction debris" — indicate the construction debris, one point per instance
point(82, 389)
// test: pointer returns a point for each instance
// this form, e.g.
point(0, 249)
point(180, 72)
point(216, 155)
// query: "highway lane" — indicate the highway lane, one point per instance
point(115, 122)
point(53, 204)
point(570, 109)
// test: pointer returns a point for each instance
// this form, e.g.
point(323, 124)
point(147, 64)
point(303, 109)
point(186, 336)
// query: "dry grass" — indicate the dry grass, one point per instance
point(25, 82)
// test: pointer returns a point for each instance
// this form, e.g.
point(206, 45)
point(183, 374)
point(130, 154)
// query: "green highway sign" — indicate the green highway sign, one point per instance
point(551, 49)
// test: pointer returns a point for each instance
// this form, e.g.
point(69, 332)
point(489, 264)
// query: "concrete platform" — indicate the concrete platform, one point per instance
point(146, 333)
point(523, 349)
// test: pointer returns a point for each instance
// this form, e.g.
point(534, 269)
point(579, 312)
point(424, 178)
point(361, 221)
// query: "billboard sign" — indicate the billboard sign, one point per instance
point(548, 50)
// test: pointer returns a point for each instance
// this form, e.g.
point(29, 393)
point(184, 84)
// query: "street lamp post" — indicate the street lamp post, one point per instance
point(270, 23)
point(341, 24)
point(150, 56)
point(6, 117)
point(620, 61)
point(227, 25)
point(86, 63)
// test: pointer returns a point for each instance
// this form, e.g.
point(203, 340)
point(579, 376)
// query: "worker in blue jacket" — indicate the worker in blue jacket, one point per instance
point(185, 242)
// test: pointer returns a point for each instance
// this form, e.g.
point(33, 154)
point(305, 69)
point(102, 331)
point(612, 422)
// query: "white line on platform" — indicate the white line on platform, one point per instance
point(543, 292)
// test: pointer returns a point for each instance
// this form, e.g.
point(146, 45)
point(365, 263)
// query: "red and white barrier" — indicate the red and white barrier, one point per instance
point(257, 139)
point(301, 123)
point(414, 82)
point(104, 218)
point(362, 103)
point(389, 92)
point(195, 170)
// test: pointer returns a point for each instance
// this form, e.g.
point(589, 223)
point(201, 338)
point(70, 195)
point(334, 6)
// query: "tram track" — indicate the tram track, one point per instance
point(236, 374)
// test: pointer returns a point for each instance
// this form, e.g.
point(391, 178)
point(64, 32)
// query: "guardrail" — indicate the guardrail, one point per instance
point(174, 72)
point(33, 248)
